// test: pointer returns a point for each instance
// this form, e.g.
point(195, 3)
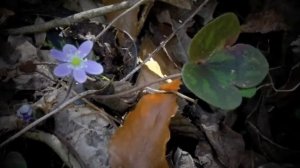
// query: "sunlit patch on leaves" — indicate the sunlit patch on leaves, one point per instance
point(141, 141)
point(222, 75)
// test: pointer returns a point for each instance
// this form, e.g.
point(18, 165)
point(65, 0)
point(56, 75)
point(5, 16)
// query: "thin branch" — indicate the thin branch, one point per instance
point(106, 116)
point(268, 139)
point(136, 88)
point(275, 89)
point(163, 43)
point(174, 92)
point(67, 21)
point(36, 122)
point(54, 143)
point(76, 97)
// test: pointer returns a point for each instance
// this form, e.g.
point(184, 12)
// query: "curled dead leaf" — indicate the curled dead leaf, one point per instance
point(141, 142)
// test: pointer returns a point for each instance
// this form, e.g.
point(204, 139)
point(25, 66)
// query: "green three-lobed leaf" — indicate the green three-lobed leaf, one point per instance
point(218, 74)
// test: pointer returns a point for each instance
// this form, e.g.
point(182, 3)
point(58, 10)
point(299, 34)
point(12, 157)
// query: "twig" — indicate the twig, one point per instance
point(163, 43)
point(36, 122)
point(118, 17)
point(278, 90)
point(268, 139)
point(76, 97)
point(67, 21)
point(136, 88)
point(54, 143)
point(174, 92)
point(101, 112)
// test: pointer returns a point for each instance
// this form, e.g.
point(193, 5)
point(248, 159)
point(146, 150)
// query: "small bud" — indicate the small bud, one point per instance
point(25, 113)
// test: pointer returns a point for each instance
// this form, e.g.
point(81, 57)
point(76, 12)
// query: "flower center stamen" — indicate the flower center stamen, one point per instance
point(76, 61)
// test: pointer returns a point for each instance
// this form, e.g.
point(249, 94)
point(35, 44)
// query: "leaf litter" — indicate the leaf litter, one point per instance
point(265, 136)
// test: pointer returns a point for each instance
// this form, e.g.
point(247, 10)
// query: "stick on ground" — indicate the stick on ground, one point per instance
point(67, 21)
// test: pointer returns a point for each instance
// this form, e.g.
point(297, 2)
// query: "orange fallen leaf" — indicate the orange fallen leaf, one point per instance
point(173, 86)
point(141, 142)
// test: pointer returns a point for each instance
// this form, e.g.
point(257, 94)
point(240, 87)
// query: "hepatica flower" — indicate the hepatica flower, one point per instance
point(74, 62)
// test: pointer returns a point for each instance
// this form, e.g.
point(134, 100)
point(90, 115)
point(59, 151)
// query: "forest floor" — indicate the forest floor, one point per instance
point(127, 115)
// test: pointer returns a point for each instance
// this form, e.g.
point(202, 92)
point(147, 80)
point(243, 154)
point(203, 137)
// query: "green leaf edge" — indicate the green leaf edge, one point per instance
point(199, 37)
point(248, 92)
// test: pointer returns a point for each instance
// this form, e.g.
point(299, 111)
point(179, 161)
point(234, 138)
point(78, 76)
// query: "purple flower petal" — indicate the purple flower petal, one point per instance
point(93, 67)
point(79, 75)
point(60, 56)
point(69, 50)
point(62, 70)
point(85, 48)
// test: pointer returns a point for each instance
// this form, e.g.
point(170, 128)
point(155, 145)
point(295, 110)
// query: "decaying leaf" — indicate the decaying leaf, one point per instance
point(228, 144)
point(22, 56)
point(224, 147)
point(141, 142)
point(185, 4)
point(254, 158)
point(264, 22)
point(205, 155)
point(132, 22)
point(183, 159)
point(39, 37)
point(86, 132)
point(178, 46)
point(119, 104)
point(91, 4)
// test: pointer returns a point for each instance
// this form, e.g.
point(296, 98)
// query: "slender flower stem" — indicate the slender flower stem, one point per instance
point(67, 21)
point(69, 90)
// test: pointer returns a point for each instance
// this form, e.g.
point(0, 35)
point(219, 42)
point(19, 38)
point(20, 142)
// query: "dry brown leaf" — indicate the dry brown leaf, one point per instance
point(141, 142)
point(146, 76)
point(130, 22)
point(228, 144)
point(177, 47)
point(223, 144)
point(84, 130)
point(161, 64)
